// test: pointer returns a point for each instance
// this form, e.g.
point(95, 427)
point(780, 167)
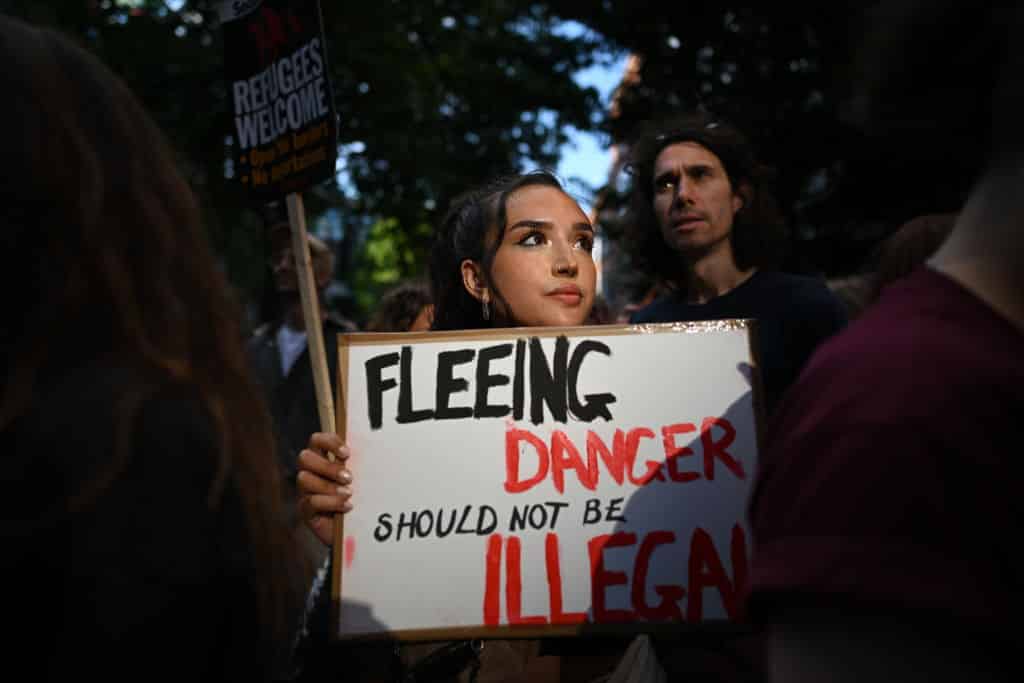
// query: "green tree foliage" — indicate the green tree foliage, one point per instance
point(390, 253)
point(432, 97)
point(785, 74)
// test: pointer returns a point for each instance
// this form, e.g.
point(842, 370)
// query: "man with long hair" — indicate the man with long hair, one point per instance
point(705, 222)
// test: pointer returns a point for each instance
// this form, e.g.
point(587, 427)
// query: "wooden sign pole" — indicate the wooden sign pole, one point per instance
point(311, 313)
point(317, 356)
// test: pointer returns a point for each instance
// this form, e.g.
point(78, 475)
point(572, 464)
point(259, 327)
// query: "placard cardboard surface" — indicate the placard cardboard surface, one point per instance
point(546, 481)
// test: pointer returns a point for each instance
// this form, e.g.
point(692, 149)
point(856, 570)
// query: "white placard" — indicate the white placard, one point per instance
point(546, 480)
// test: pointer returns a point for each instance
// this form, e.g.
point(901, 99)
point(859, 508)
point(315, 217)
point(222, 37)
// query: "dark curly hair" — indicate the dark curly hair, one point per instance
point(758, 232)
point(466, 234)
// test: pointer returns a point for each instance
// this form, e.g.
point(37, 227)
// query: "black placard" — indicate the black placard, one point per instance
point(283, 120)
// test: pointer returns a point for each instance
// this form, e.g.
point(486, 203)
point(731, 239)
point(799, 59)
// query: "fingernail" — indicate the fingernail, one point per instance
point(344, 491)
point(344, 477)
point(347, 507)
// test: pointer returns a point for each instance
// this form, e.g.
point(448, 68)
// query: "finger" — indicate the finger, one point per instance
point(327, 504)
point(329, 445)
point(316, 466)
point(313, 484)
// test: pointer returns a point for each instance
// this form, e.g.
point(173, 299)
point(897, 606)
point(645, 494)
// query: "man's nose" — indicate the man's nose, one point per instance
point(282, 261)
point(684, 192)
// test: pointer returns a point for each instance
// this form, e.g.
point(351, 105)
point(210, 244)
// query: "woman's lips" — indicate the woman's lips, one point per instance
point(571, 296)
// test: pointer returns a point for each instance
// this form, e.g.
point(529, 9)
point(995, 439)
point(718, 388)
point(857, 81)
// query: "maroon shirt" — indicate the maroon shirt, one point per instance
point(891, 478)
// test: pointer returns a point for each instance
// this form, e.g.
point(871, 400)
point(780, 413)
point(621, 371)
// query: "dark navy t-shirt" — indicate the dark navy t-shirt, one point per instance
point(794, 315)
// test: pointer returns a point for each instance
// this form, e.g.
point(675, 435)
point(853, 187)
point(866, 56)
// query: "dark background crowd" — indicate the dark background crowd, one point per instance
point(416, 127)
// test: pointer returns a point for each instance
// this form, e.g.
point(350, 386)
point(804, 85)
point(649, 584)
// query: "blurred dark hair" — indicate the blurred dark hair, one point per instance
point(399, 307)
point(105, 241)
point(474, 220)
point(758, 232)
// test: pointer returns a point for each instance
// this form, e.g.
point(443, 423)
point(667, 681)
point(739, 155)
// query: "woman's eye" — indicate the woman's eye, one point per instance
point(534, 239)
point(586, 243)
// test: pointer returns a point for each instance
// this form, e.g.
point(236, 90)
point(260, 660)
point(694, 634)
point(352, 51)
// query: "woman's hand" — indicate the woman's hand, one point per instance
point(324, 487)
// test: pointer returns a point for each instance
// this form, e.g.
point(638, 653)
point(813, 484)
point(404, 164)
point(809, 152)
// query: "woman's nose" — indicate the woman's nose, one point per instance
point(565, 263)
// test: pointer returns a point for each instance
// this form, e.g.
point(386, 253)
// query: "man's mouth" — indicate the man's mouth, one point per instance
point(686, 222)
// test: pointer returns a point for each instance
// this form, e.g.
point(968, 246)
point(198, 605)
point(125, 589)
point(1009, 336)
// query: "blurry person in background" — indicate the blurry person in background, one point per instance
point(887, 509)
point(278, 353)
point(142, 512)
point(278, 349)
point(406, 307)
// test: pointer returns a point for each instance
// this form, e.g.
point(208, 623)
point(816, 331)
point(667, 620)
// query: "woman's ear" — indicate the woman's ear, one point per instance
point(474, 282)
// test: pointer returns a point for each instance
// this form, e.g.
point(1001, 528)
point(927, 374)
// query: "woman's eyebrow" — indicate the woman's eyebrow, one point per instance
point(547, 225)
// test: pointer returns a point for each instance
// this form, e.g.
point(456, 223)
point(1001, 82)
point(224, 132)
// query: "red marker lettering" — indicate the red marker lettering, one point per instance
point(668, 608)
point(601, 578)
point(555, 584)
point(615, 462)
point(674, 452)
point(492, 582)
point(564, 456)
point(514, 586)
point(706, 571)
point(513, 484)
point(632, 445)
point(716, 449)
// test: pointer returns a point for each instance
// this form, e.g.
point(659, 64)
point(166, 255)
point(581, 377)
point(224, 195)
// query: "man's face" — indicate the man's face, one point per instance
point(282, 263)
point(694, 201)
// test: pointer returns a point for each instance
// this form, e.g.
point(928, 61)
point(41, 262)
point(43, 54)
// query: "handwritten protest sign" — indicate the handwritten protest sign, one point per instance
point(285, 131)
point(545, 480)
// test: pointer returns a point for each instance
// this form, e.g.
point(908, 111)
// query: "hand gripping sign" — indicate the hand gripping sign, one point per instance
point(546, 481)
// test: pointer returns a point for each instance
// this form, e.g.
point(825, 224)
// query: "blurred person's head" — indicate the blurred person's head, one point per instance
point(406, 307)
point(282, 260)
point(104, 239)
point(940, 81)
point(699, 187)
point(514, 252)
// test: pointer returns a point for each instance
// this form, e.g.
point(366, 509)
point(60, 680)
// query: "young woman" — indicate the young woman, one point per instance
point(143, 525)
point(514, 253)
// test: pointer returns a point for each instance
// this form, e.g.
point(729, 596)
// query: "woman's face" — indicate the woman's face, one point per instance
point(543, 270)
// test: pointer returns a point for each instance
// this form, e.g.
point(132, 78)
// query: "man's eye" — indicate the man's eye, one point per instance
point(664, 185)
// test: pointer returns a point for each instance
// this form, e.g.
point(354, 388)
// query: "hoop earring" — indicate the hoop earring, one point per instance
point(486, 310)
